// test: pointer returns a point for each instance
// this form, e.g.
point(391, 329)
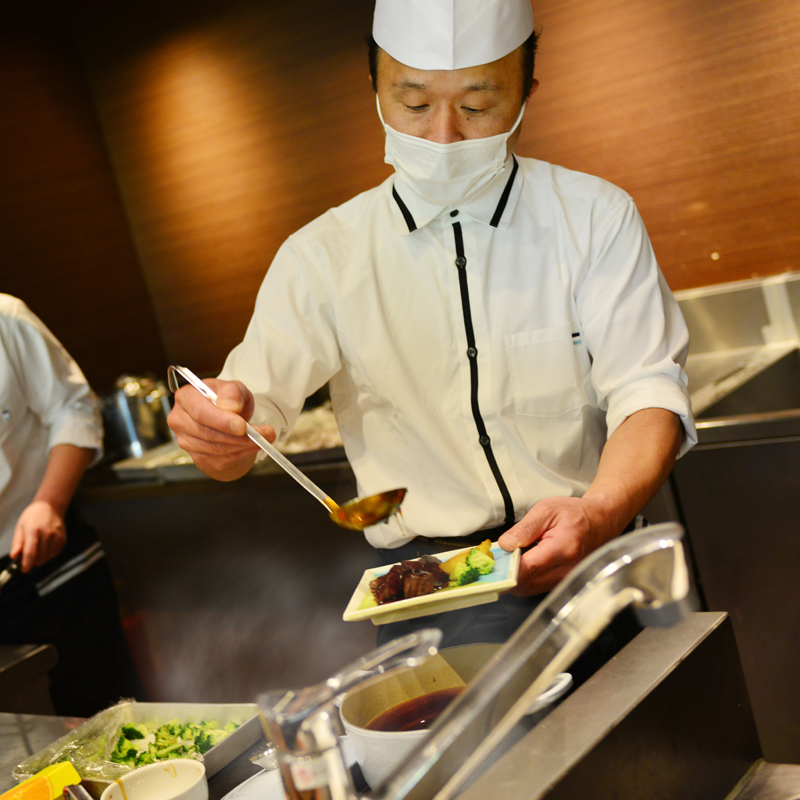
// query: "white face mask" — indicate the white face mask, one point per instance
point(446, 174)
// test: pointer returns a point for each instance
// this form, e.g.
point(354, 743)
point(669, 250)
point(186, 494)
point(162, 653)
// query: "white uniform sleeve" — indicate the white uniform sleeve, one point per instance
point(634, 330)
point(53, 384)
point(290, 348)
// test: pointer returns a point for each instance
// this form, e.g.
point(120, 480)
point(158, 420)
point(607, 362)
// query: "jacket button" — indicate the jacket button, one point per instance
point(461, 262)
point(484, 440)
point(472, 352)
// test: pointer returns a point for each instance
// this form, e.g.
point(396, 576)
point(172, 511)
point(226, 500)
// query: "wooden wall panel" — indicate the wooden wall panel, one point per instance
point(693, 107)
point(231, 124)
point(65, 247)
point(227, 135)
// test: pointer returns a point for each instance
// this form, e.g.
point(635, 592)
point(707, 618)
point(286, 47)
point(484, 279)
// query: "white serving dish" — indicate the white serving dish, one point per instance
point(485, 590)
point(268, 785)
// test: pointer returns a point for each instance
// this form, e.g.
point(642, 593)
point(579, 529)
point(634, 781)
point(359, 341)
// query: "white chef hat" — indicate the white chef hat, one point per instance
point(450, 34)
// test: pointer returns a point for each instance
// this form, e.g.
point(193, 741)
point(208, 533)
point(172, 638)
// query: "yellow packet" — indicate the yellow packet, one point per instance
point(48, 784)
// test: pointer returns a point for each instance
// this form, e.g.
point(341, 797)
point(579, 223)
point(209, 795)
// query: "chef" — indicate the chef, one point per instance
point(62, 592)
point(495, 330)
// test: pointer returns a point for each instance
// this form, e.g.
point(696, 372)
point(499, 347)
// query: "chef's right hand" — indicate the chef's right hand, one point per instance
point(214, 436)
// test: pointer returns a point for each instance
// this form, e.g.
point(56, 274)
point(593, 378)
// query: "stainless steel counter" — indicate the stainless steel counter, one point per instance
point(668, 717)
point(22, 735)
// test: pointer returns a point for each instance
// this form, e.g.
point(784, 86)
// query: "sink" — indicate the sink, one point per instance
point(775, 387)
point(758, 398)
point(714, 377)
point(771, 782)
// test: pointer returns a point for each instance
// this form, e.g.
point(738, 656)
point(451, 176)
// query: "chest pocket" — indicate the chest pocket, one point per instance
point(545, 372)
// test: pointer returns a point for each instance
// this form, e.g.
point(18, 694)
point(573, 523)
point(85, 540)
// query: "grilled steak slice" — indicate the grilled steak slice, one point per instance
point(417, 583)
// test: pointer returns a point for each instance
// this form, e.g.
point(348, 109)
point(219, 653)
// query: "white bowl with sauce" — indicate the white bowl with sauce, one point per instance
point(379, 752)
point(176, 779)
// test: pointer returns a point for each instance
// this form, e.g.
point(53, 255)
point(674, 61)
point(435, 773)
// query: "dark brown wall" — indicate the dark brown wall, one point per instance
point(692, 106)
point(230, 124)
point(65, 247)
point(229, 129)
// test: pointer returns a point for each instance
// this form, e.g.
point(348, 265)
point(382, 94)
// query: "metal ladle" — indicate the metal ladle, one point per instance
point(356, 514)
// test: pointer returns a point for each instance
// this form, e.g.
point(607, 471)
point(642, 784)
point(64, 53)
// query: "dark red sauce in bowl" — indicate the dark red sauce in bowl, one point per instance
point(415, 714)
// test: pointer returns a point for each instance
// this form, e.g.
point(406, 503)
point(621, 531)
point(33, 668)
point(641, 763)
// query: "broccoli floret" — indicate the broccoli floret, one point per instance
point(212, 734)
point(124, 752)
point(480, 561)
point(170, 741)
point(134, 740)
point(207, 739)
point(134, 730)
point(174, 750)
point(463, 575)
point(191, 731)
point(477, 563)
point(146, 757)
point(124, 749)
point(168, 734)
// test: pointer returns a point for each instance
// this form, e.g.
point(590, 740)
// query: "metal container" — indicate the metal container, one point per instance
point(135, 416)
point(85, 744)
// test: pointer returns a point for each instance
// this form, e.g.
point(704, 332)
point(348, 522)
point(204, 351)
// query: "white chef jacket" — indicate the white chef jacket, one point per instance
point(44, 401)
point(478, 355)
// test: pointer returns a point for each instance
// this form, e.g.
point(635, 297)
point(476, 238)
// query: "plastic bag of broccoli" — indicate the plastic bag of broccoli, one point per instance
point(130, 734)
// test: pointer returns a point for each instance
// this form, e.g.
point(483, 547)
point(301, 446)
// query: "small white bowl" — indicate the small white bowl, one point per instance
point(176, 779)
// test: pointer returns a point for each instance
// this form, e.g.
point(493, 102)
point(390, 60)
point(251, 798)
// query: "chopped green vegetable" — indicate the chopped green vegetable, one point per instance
point(477, 559)
point(139, 745)
point(476, 563)
point(464, 575)
point(207, 739)
point(133, 730)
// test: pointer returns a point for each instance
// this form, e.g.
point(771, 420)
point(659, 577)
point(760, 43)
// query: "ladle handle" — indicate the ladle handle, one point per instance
point(255, 436)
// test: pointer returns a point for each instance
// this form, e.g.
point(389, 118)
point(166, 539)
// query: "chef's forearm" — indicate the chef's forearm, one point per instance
point(66, 465)
point(635, 462)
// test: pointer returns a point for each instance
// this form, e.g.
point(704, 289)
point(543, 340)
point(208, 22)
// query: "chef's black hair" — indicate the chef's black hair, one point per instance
point(528, 59)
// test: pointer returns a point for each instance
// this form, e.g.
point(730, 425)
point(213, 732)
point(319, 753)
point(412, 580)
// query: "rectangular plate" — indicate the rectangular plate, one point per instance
point(485, 590)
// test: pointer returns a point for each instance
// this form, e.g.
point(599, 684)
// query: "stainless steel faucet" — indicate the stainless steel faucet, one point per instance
point(646, 569)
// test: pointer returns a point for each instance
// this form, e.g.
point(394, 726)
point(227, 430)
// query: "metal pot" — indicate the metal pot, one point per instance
point(135, 416)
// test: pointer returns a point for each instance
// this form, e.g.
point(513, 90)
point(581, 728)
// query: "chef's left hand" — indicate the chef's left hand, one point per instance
point(39, 535)
point(635, 461)
point(565, 530)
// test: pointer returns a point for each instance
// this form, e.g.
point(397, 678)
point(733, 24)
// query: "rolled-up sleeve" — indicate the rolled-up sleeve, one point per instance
point(636, 335)
point(54, 386)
